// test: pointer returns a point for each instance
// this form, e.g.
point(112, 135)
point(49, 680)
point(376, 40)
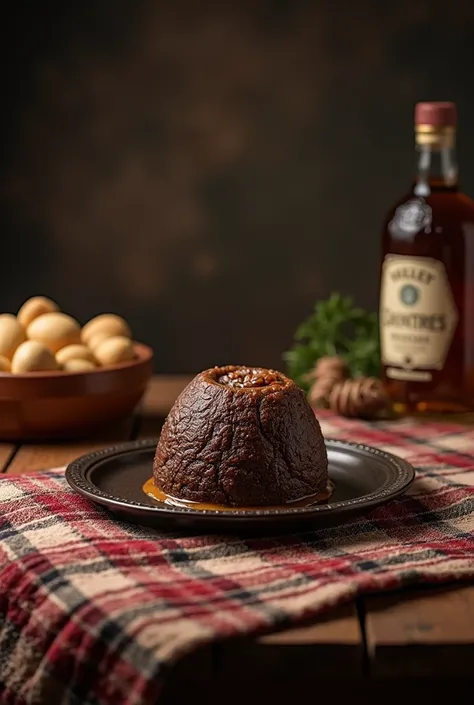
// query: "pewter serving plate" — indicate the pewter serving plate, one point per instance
point(363, 477)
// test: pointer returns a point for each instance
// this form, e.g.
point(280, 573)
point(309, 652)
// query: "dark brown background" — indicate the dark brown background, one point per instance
point(209, 169)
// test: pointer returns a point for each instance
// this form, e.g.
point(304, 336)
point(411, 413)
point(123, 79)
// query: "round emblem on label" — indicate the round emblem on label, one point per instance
point(409, 219)
point(409, 294)
point(418, 316)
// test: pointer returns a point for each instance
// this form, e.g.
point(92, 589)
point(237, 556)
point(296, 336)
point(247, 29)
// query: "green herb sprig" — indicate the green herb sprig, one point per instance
point(336, 327)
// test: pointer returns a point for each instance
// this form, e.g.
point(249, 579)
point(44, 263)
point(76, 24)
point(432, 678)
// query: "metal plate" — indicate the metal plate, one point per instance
point(364, 478)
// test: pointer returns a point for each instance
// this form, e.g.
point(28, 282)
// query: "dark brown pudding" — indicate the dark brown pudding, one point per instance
point(241, 437)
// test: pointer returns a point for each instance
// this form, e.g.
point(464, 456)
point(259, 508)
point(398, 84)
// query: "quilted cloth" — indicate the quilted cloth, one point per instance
point(92, 610)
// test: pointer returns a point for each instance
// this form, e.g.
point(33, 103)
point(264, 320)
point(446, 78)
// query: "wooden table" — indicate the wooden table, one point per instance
point(411, 635)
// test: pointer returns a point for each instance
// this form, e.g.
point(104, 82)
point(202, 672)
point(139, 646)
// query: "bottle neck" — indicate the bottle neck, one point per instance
point(437, 166)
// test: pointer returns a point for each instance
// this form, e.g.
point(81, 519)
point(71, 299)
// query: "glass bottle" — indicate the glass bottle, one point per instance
point(427, 279)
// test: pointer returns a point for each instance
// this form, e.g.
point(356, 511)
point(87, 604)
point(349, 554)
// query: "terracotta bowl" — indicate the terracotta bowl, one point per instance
point(54, 405)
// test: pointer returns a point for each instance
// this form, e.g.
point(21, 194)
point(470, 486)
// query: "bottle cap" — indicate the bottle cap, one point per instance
point(436, 114)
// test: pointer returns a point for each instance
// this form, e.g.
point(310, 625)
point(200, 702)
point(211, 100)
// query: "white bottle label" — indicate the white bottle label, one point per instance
point(418, 316)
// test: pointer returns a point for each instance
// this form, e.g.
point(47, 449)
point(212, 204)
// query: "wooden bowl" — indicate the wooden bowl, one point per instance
point(58, 405)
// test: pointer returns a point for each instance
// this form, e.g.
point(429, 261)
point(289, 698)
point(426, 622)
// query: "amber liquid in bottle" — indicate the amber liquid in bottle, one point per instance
point(427, 286)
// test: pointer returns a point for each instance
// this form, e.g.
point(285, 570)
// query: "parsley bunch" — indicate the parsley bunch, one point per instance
point(336, 327)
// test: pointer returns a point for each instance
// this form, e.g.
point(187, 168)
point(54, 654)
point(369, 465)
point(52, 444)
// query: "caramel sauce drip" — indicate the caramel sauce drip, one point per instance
point(150, 489)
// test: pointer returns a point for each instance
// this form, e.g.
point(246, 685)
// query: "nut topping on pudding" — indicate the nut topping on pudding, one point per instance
point(249, 377)
point(241, 436)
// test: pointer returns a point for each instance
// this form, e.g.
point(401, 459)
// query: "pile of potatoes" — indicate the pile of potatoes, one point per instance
point(42, 338)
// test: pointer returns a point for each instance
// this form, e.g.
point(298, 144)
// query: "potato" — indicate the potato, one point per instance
point(55, 330)
point(78, 365)
point(5, 365)
point(12, 335)
point(75, 352)
point(33, 356)
point(35, 307)
point(114, 350)
point(107, 323)
point(96, 340)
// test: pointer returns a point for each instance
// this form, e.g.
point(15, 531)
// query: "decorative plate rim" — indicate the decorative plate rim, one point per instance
point(77, 470)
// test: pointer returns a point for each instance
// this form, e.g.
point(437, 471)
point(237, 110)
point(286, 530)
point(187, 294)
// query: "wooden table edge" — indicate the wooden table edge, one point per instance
point(370, 630)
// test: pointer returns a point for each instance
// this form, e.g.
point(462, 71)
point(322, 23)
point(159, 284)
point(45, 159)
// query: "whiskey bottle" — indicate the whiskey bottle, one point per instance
point(427, 279)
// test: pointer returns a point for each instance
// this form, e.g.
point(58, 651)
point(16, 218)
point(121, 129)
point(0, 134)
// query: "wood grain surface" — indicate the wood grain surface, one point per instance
point(421, 633)
point(427, 633)
point(6, 452)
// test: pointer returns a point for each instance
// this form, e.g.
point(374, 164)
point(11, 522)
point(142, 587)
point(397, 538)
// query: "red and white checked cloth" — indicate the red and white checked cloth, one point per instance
point(92, 609)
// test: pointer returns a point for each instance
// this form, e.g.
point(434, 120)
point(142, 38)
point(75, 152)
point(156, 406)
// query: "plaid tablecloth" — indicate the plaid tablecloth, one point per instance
point(91, 609)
